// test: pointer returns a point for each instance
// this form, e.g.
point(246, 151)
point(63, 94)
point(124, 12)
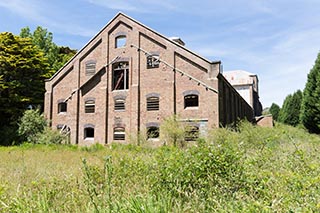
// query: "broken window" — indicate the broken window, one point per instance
point(152, 103)
point(120, 80)
point(119, 104)
point(191, 133)
point(62, 107)
point(90, 68)
point(191, 101)
point(89, 132)
point(153, 61)
point(152, 132)
point(121, 41)
point(119, 133)
point(89, 106)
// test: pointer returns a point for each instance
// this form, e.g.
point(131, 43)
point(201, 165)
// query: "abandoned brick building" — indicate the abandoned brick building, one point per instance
point(128, 78)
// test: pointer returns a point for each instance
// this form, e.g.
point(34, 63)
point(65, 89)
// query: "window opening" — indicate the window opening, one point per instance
point(191, 101)
point(62, 107)
point(153, 132)
point(90, 68)
point(121, 41)
point(88, 133)
point(191, 133)
point(153, 61)
point(119, 133)
point(90, 106)
point(120, 76)
point(119, 104)
point(152, 103)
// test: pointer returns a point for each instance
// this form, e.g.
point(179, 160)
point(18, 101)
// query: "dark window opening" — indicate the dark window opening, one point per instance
point(120, 80)
point(119, 104)
point(153, 132)
point(191, 133)
point(121, 41)
point(89, 106)
point(152, 103)
point(191, 101)
point(153, 61)
point(88, 132)
point(90, 68)
point(119, 133)
point(62, 107)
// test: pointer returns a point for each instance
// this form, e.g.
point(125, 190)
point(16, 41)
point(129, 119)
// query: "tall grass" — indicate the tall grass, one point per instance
point(252, 169)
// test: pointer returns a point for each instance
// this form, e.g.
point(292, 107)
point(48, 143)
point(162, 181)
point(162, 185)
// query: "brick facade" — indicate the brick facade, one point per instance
point(111, 92)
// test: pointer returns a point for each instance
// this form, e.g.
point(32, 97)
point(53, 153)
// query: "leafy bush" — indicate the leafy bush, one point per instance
point(31, 124)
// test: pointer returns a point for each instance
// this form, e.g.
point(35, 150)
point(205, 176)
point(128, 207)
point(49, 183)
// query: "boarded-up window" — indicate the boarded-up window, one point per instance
point(90, 68)
point(90, 106)
point(119, 133)
point(119, 104)
point(152, 103)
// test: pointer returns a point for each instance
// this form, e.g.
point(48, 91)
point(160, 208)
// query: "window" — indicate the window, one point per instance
point(90, 68)
point(191, 133)
point(120, 80)
point(62, 107)
point(152, 103)
point(152, 132)
point(89, 132)
point(153, 61)
point(89, 106)
point(121, 41)
point(119, 133)
point(119, 104)
point(191, 101)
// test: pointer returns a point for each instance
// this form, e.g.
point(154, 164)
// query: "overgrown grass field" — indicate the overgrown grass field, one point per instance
point(253, 169)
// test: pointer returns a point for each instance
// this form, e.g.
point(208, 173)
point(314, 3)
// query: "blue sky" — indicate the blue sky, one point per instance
point(277, 39)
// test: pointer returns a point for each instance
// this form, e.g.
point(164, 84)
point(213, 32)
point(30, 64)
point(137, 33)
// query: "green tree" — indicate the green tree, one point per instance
point(23, 69)
point(274, 111)
point(57, 56)
point(310, 112)
point(290, 111)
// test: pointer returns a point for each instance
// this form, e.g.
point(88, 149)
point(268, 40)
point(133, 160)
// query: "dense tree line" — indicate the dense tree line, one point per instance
point(302, 107)
point(25, 62)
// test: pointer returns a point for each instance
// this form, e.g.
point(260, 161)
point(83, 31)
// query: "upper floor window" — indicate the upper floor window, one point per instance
point(152, 103)
point(90, 68)
point(119, 104)
point(89, 106)
point(153, 61)
point(191, 98)
point(62, 106)
point(121, 41)
point(119, 133)
point(120, 77)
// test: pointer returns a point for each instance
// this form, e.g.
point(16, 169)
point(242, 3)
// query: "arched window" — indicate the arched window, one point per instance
point(62, 106)
point(152, 103)
point(90, 68)
point(191, 98)
point(119, 133)
point(88, 131)
point(191, 133)
point(121, 41)
point(89, 106)
point(152, 132)
point(120, 77)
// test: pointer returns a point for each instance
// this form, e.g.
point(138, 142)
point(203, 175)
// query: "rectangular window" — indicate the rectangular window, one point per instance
point(90, 106)
point(119, 104)
point(62, 107)
point(119, 133)
point(152, 103)
point(90, 68)
point(120, 80)
point(153, 61)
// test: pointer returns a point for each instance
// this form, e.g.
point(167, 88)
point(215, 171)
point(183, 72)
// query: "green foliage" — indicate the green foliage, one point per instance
point(31, 125)
point(310, 115)
point(253, 169)
point(57, 56)
point(274, 111)
point(172, 132)
point(290, 111)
